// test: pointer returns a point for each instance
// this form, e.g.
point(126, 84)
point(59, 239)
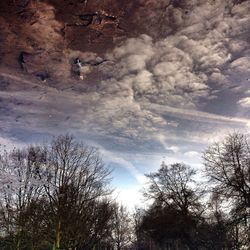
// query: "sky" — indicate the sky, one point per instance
point(144, 81)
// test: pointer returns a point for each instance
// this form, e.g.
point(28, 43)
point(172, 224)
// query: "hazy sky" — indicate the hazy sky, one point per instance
point(158, 80)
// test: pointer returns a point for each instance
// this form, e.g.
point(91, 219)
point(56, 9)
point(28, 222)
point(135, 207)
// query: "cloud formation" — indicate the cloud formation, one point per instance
point(180, 79)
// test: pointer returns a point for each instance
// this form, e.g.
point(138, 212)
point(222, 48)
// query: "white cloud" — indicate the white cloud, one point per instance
point(245, 102)
point(195, 115)
point(111, 157)
point(192, 154)
point(241, 64)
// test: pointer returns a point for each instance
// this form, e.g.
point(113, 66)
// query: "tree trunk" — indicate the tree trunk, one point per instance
point(18, 243)
point(18, 240)
point(56, 245)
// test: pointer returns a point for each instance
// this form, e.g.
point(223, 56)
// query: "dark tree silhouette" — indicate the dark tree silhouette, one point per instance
point(76, 181)
point(175, 185)
point(122, 227)
point(55, 196)
point(20, 185)
point(228, 168)
point(175, 214)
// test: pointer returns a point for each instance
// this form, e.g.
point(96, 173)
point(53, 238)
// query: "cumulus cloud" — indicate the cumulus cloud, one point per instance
point(175, 78)
point(177, 70)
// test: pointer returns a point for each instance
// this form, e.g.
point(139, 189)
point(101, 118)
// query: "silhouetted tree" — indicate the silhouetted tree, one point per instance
point(122, 228)
point(227, 166)
point(174, 216)
point(55, 196)
point(175, 185)
point(76, 183)
point(20, 185)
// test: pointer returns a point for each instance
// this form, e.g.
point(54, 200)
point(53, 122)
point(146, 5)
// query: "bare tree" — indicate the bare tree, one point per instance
point(176, 206)
point(20, 185)
point(122, 227)
point(75, 180)
point(228, 168)
point(55, 195)
point(174, 185)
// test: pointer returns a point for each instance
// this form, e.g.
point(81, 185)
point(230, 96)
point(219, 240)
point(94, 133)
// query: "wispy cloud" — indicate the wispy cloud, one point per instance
point(195, 115)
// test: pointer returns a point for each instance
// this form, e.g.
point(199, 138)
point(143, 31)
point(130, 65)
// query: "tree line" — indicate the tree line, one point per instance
point(58, 196)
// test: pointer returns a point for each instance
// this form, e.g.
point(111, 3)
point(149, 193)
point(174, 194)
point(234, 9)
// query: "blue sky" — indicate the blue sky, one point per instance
point(164, 93)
